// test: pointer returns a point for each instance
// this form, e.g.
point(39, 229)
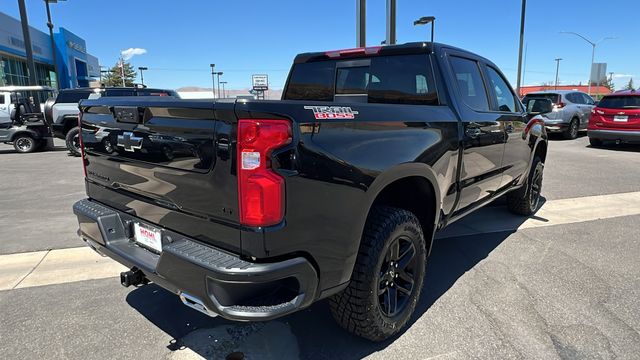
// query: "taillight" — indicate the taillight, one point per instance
point(372, 50)
point(260, 190)
point(84, 159)
point(559, 105)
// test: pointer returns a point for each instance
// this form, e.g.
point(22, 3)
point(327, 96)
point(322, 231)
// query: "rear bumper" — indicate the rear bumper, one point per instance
point(615, 135)
point(223, 283)
point(556, 127)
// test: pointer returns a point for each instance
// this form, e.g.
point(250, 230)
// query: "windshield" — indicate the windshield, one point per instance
point(555, 98)
point(620, 102)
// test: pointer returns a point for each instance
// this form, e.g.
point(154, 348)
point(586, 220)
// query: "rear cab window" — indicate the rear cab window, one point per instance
point(394, 79)
point(72, 96)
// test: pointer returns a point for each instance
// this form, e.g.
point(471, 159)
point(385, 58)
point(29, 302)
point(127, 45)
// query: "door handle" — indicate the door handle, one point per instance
point(473, 132)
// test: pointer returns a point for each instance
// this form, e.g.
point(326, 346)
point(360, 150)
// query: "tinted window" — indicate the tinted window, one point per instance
point(119, 92)
point(620, 102)
point(1, 99)
point(311, 81)
point(72, 96)
point(587, 99)
point(352, 80)
point(467, 74)
point(575, 98)
point(504, 96)
point(553, 97)
point(400, 79)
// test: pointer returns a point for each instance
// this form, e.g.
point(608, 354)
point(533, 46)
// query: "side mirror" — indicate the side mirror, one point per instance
point(539, 106)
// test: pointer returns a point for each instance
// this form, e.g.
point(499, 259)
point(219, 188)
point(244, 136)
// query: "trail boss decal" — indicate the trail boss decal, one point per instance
point(332, 112)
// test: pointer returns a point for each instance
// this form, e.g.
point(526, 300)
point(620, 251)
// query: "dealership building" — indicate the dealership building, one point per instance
point(76, 67)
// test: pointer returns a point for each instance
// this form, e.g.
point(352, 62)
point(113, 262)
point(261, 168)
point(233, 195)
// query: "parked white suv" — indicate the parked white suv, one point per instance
point(571, 111)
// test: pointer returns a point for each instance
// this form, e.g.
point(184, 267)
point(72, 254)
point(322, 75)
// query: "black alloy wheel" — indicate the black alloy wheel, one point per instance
point(397, 277)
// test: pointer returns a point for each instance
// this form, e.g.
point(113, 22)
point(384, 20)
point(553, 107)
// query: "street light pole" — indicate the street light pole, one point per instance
point(213, 79)
point(219, 74)
point(557, 70)
point(593, 51)
point(224, 93)
point(142, 68)
point(53, 42)
point(522, 18)
point(27, 43)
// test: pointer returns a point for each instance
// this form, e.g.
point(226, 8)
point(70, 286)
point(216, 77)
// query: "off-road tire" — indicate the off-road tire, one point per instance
point(72, 141)
point(24, 143)
point(525, 201)
point(358, 308)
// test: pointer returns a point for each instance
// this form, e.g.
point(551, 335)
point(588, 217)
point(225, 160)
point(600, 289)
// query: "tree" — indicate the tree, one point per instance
point(114, 76)
point(607, 82)
point(630, 85)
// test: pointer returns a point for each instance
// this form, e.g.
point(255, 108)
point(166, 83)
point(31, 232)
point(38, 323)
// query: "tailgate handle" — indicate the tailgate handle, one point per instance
point(127, 114)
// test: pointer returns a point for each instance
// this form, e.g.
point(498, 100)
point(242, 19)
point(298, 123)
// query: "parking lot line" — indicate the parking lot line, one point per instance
point(77, 264)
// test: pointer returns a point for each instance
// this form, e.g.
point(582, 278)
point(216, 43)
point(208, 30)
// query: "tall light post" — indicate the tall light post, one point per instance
point(427, 20)
point(224, 93)
point(593, 52)
point(53, 42)
point(219, 73)
point(557, 70)
point(522, 18)
point(142, 68)
point(213, 79)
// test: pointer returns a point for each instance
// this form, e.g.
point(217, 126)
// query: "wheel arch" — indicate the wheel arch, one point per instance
point(32, 134)
point(69, 122)
point(413, 187)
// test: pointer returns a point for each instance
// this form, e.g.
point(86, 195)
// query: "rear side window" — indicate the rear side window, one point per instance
point(620, 102)
point(398, 79)
point(72, 96)
point(402, 79)
point(470, 83)
point(1, 99)
point(311, 81)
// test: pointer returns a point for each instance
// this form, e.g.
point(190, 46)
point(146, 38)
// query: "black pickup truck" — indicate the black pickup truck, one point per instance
point(255, 209)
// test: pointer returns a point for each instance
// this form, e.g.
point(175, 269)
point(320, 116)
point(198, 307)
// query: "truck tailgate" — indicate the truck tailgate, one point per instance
point(157, 159)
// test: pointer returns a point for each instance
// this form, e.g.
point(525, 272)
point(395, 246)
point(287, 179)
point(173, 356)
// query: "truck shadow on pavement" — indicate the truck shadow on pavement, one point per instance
point(310, 333)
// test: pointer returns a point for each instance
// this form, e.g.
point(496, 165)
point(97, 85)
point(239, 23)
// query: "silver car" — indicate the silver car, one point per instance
point(571, 111)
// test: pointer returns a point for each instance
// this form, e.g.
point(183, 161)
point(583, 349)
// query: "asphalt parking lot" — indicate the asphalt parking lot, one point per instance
point(564, 284)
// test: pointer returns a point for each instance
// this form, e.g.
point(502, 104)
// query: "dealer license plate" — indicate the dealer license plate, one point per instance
point(620, 118)
point(148, 237)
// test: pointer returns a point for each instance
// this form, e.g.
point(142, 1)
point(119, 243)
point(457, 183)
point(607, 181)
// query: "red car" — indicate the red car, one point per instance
point(616, 118)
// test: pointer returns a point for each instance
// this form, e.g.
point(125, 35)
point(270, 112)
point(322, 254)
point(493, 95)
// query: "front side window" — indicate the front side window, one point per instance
point(470, 83)
point(504, 97)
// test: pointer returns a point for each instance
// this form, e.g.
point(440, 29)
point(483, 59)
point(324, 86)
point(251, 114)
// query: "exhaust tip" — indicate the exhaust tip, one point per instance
point(196, 304)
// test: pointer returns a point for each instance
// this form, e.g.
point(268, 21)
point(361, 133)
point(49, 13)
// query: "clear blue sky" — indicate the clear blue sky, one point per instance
point(256, 36)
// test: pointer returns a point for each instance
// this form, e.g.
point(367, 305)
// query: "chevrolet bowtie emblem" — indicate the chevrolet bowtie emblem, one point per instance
point(130, 142)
